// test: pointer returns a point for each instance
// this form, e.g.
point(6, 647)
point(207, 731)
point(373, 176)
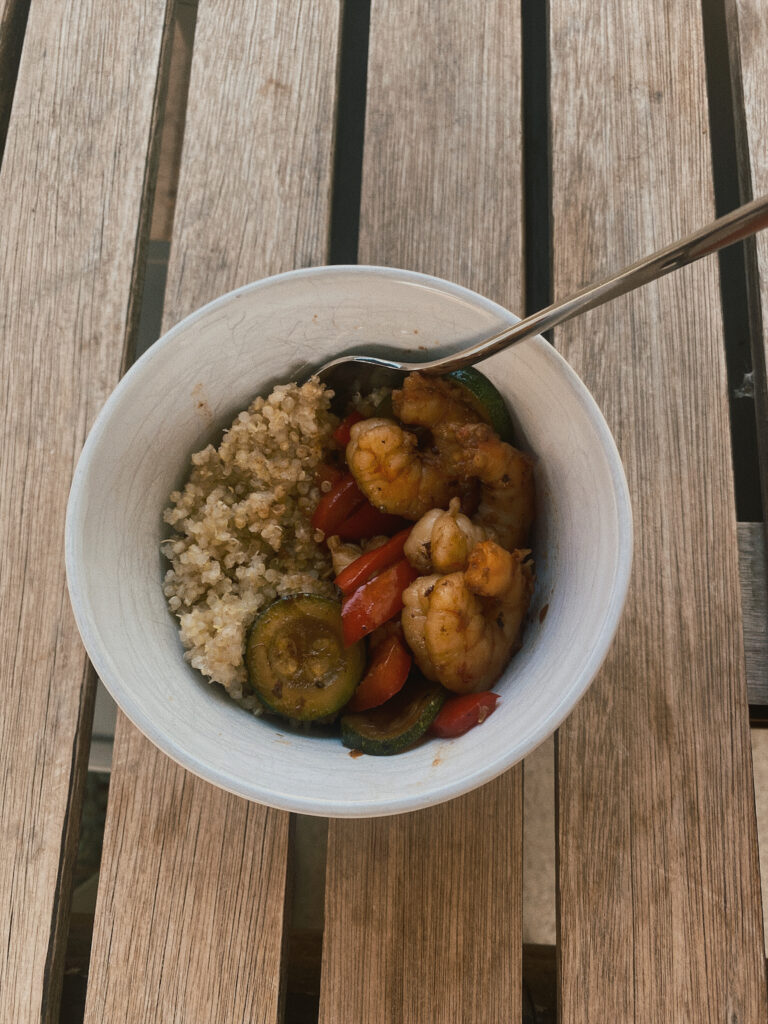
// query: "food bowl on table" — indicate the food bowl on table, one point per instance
point(181, 395)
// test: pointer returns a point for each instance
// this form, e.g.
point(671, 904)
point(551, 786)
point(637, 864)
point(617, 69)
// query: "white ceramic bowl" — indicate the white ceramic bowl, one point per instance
point(190, 385)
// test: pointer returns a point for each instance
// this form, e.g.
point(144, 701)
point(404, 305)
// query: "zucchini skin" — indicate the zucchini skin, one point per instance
point(287, 650)
point(486, 399)
point(396, 725)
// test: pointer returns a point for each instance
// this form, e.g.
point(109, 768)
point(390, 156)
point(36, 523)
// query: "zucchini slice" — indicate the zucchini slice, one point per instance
point(297, 663)
point(486, 400)
point(396, 725)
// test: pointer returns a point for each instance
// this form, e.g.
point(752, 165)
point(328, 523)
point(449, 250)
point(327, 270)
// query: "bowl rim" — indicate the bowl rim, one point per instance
point(391, 805)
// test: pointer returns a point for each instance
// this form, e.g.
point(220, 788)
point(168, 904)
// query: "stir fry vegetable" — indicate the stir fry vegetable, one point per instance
point(361, 570)
point(342, 432)
point(298, 664)
point(460, 714)
point(386, 675)
point(450, 583)
point(396, 725)
point(376, 602)
point(337, 505)
point(367, 521)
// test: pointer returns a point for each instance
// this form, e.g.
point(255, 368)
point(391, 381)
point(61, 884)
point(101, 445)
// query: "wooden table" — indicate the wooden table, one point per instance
point(509, 151)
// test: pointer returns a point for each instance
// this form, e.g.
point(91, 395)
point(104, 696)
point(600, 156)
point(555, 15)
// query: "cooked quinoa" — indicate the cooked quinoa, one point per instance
point(241, 528)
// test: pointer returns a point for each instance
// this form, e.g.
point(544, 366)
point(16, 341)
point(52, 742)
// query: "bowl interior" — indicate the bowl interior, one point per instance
point(190, 385)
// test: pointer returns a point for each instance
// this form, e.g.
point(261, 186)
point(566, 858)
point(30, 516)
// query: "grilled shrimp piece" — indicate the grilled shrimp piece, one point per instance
point(343, 554)
point(431, 401)
point(464, 627)
point(442, 541)
point(413, 618)
point(507, 494)
point(398, 477)
point(391, 471)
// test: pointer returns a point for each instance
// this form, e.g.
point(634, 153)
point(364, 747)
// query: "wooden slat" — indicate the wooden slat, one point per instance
point(423, 912)
point(754, 604)
point(263, 93)
point(442, 172)
point(191, 903)
point(72, 193)
point(659, 891)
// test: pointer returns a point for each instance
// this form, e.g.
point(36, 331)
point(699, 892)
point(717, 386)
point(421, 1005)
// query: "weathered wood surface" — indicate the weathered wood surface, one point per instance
point(659, 894)
point(191, 905)
point(442, 170)
point(189, 918)
point(72, 193)
point(261, 147)
point(423, 912)
point(754, 604)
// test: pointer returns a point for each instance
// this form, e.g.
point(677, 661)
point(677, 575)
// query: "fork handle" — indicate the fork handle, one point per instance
point(740, 223)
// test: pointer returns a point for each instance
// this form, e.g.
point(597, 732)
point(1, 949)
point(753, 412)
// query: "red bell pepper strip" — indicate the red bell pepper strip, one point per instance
point(385, 677)
point(361, 570)
point(337, 505)
point(367, 521)
point(460, 714)
point(342, 432)
point(376, 602)
point(327, 473)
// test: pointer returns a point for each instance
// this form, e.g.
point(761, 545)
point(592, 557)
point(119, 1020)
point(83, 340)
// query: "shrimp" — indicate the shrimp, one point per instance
point(343, 554)
point(390, 469)
point(507, 494)
point(431, 401)
point(464, 627)
point(466, 459)
point(442, 541)
point(392, 473)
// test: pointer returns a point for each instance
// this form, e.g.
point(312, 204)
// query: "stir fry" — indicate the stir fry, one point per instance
point(427, 510)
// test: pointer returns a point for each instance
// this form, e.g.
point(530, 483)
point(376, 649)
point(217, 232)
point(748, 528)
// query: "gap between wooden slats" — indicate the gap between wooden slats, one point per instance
point(754, 598)
point(659, 896)
point(172, 126)
point(423, 911)
point(732, 264)
point(747, 24)
point(191, 910)
point(72, 193)
point(13, 21)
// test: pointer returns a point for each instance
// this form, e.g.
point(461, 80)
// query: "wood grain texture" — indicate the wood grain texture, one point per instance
point(424, 911)
point(189, 919)
point(442, 165)
point(191, 908)
point(261, 155)
point(72, 195)
point(659, 891)
point(754, 604)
